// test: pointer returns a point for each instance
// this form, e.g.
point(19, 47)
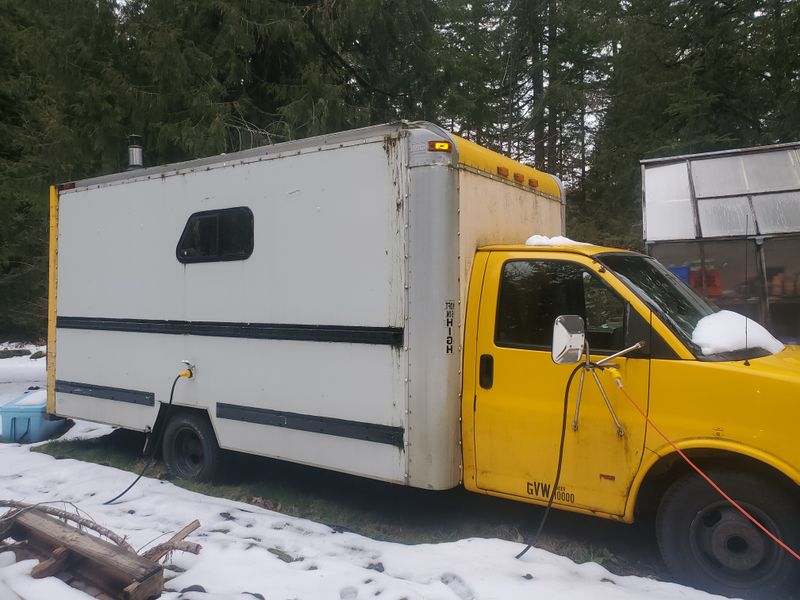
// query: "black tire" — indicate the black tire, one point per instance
point(190, 447)
point(707, 543)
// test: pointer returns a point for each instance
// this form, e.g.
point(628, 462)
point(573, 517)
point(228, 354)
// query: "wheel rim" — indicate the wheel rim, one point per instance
point(731, 548)
point(189, 454)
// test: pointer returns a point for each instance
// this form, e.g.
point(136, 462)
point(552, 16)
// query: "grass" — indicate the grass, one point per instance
point(388, 512)
point(108, 451)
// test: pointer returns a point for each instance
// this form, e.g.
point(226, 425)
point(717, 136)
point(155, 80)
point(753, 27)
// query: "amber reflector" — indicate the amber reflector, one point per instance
point(434, 146)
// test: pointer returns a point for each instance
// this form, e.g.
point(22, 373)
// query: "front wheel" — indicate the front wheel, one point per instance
point(708, 543)
point(190, 447)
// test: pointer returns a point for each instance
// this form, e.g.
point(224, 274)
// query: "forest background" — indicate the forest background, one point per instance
point(580, 88)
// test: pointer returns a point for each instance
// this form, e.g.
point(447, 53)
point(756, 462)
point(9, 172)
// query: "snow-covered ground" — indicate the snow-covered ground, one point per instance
point(18, 373)
point(252, 552)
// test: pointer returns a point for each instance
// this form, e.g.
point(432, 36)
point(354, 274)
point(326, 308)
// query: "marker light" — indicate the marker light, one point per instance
point(66, 186)
point(502, 171)
point(533, 182)
point(434, 146)
point(519, 177)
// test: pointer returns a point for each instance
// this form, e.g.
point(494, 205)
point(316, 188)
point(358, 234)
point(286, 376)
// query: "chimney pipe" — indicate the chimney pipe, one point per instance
point(135, 152)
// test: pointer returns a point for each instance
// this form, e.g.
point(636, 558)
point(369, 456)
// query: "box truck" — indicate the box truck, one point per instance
point(363, 302)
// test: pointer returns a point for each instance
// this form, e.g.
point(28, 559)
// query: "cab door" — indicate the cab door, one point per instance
point(519, 395)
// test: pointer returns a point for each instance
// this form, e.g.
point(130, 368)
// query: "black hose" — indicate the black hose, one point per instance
point(560, 461)
point(150, 462)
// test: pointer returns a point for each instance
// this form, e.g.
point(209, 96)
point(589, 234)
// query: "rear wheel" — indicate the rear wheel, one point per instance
point(708, 543)
point(190, 447)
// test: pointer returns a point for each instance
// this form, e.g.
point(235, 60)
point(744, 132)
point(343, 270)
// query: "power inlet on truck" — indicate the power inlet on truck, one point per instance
point(188, 372)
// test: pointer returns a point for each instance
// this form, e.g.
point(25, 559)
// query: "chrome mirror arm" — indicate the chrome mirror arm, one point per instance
point(591, 367)
point(603, 361)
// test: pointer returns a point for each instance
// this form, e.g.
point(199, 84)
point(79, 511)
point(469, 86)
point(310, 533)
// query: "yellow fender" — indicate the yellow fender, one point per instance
point(712, 444)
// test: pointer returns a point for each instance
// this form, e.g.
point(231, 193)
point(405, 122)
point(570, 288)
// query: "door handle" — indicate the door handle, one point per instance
point(486, 371)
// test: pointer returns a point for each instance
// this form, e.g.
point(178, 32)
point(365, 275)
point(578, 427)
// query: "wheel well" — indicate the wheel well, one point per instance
point(164, 412)
point(671, 467)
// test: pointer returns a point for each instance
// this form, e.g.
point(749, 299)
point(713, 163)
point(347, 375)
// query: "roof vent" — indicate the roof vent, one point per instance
point(135, 152)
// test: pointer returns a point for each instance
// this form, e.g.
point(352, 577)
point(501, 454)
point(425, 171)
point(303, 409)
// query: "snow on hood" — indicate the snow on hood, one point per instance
point(558, 240)
point(727, 331)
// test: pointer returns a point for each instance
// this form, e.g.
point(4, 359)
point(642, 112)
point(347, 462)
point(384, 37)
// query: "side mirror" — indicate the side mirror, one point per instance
point(568, 339)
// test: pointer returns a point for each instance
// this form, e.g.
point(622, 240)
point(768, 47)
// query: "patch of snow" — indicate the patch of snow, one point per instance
point(558, 240)
point(36, 397)
point(727, 331)
point(16, 582)
point(21, 346)
point(248, 549)
point(85, 430)
point(18, 373)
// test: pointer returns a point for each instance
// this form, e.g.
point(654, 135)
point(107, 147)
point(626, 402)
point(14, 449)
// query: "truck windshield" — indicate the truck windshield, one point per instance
point(667, 295)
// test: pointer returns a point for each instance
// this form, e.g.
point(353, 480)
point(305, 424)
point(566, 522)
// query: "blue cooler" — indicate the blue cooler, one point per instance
point(23, 419)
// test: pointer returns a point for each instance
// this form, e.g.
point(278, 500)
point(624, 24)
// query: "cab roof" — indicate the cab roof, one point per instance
point(584, 249)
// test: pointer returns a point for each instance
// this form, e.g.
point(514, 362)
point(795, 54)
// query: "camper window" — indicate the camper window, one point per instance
point(216, 235)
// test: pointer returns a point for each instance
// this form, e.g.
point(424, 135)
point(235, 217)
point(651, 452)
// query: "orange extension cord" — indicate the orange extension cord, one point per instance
point(618, 381)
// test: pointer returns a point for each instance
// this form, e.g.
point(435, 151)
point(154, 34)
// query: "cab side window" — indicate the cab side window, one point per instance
point(534, 292)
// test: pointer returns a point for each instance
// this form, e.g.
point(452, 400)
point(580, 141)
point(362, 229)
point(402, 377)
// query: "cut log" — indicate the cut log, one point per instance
point(158, 552)
point(69, 516)
point(51, 566)
point(118, 572)
point(149, 588)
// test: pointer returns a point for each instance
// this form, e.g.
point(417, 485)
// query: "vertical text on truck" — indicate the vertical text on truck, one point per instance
point(361, 302)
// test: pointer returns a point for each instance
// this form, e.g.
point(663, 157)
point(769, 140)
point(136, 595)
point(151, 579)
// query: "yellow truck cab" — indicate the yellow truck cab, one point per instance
point(732, 413)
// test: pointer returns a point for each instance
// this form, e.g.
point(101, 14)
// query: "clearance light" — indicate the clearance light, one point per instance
point(533, 182)
point(502, 171)
point(440, 146)
point(66, 186)
point(519, 177)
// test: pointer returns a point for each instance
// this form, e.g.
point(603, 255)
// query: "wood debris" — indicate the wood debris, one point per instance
point(84, 561)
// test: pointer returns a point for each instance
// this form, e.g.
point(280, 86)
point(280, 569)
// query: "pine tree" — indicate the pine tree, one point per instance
point(61, 120)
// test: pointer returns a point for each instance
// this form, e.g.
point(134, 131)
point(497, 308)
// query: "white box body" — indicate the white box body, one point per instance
point(336, 343)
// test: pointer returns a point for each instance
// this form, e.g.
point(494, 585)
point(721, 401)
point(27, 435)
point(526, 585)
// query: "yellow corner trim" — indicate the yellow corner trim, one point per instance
point(472, 155)
point(51, 302)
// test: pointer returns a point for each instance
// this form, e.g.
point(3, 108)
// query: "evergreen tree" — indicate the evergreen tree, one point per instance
point(60, 120)
point(580, 88)
point(683, 80)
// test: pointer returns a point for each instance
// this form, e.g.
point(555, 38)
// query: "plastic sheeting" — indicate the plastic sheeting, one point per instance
point(723, 195)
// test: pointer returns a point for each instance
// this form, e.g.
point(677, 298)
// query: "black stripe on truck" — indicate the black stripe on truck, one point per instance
point(380, 434)
point(106, 393)
point(352, 334)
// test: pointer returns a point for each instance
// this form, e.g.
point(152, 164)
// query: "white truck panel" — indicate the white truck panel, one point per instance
point(337, 343)
point(322, 379)
point(122, 264)
point(376, 461)
point(109, 242)
point(499, 214)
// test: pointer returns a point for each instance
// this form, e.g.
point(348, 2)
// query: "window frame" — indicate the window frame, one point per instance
point(218, 257)
point(542, 348)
